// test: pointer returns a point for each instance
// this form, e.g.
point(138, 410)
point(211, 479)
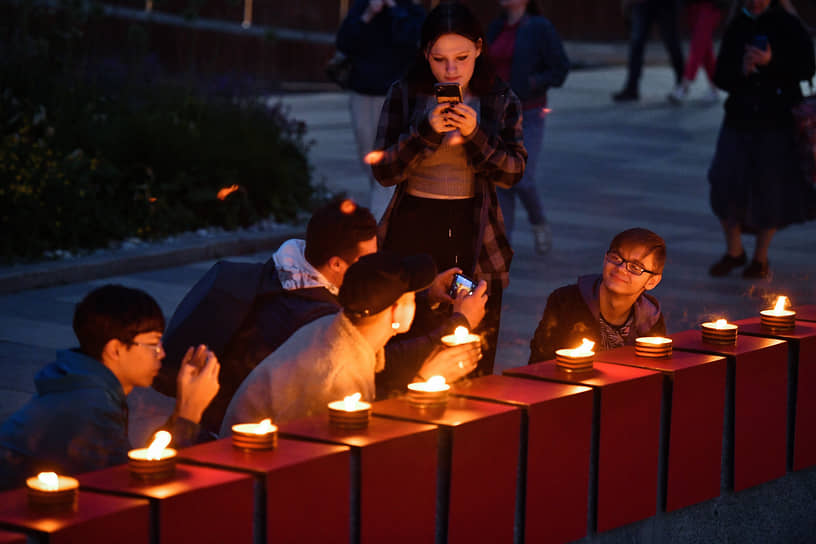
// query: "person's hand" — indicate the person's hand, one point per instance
point(462, 117)
point(376, 6)
point(452, 363)
point(472, 306)
point(438, 291)
point(196, 383)
point(437, 117)
point(755, 57)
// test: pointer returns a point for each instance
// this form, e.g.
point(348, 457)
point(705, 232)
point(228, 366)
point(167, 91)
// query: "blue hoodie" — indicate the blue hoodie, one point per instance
point(76, 422)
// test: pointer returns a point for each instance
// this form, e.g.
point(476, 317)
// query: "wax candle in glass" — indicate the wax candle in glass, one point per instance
point(653, 346)
point(350, 413)
point(719, 332)
point(155, 463)
point(255, 436)
point(460, 336)
point(49, 492)
point(778, 318)
point(576, 359)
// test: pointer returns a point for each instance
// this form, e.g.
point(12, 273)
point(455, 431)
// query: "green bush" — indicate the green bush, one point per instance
point(86, 161)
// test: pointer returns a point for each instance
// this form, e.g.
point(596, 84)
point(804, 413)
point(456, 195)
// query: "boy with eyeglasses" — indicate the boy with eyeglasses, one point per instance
point(611, 309)
point(77, 420)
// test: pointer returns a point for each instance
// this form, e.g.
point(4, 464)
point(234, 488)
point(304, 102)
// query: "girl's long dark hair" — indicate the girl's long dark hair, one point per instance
point(451, 18)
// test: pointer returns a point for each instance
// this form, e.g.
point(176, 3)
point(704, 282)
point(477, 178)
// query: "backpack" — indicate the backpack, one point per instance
point(210, 313)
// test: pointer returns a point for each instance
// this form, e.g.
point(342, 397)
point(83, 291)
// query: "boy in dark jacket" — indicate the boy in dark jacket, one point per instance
point(611, 309)
point(78, 419)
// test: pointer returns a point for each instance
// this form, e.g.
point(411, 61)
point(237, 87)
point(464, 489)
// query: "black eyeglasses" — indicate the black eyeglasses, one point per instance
point(156, 348)
point(634, 268)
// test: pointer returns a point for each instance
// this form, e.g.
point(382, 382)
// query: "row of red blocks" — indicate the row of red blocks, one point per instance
point(550, 455)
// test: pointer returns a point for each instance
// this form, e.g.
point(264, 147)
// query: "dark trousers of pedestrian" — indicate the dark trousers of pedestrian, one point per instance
point(643, 15)
point(445, 230)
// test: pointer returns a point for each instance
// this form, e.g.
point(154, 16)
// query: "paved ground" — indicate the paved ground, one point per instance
point(606, 168)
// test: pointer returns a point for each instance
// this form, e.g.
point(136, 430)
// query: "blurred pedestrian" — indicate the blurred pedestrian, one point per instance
point(528, 54)
point(704, 17)
point(380, 37)
point(641, 14)
point(756, 181)
point(447, 158)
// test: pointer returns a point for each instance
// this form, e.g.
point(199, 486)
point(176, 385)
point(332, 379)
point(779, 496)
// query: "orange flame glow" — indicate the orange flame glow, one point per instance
point(160, 441)
point(49, 480)
point(224, 192)
point(374, 157)
point(585, 348)
point(780, 303)
point(350, 402)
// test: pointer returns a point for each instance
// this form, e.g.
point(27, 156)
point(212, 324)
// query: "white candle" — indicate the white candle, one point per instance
point(720, 325)
point(351, 403)
point(460, 336)
point(260, 429)
point(584, 350)
point(51, 482)
point(157, 450)
point(435, 384)
point(654, 340)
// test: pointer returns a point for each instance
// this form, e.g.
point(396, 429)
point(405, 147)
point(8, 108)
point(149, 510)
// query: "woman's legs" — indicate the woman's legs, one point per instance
point(763, 241)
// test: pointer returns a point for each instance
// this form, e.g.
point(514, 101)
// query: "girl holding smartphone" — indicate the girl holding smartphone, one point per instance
point(446, 159)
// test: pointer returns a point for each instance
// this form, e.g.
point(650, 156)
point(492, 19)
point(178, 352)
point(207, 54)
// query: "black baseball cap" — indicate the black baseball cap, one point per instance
point(376, 281)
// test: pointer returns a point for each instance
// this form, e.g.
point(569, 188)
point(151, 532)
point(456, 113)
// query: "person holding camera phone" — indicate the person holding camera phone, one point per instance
point(446, 159)
point(757, 185)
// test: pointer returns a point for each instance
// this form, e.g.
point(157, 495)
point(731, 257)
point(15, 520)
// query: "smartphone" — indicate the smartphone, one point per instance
point(448, 92)
point(461, 283)
point(760, 41)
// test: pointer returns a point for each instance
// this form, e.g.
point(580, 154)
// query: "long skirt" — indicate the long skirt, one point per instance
point(756, 181)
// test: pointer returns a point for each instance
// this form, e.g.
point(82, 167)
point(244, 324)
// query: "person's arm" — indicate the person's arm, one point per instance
point(197, 385)
point(351, 37)
point(499, 156)
point(728, 74)
point(552, 65)
point(400, 144)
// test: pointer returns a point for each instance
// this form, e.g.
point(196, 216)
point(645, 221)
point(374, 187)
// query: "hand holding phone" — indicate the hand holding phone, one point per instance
point(448, 92)
point(461, 283)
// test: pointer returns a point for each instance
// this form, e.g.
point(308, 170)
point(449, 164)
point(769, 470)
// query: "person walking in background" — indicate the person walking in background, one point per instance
point(528, 54)
point(380, 38)
point(642, 13)
point(447, 158)
point(756, 181)
point(704, 17)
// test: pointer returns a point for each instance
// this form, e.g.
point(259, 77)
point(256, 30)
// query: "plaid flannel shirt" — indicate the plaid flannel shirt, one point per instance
point(495, 151)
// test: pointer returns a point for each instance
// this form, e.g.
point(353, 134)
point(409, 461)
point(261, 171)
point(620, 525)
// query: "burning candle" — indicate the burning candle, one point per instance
point(778, 318)
point(719, 332)
point(350, 413)
point(255, 436)
point(460, 336)
point(155, 463)
point(49, 492)
point(653, 346)
point(431, 392)
point(577, 359)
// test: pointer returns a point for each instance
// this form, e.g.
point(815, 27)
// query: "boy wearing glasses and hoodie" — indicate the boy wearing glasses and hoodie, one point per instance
point(77, 421)
point(611, 309)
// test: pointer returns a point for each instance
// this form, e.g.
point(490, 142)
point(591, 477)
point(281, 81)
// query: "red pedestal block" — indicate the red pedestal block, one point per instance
point(626, 434)
point(801, 388)
point(755, 406)
point(393, 476)
point(479, 462)
point(694, 397)
point(184, 506)
point(806, 313)
point(98, 519)
point(555, 439)
point(299, 478)
point(7, 537)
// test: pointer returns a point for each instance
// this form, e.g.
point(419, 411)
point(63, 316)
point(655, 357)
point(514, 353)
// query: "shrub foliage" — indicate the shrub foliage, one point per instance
point(90, 156)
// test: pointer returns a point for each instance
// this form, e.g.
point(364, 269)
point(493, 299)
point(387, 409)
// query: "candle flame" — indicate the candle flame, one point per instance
point(780, 304)
point(264, 426)
point(436, 381)
point(460, 334)
point(585, 348)
point(350, 402)
point(373, 157)
point(160, 441)
point(224, 192)
point(720, 323)
point(49, 480)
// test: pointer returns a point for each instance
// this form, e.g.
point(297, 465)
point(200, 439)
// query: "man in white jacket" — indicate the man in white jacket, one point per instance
point(337, 355)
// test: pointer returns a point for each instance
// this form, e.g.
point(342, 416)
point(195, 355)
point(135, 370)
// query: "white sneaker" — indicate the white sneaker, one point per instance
point(678, 95)
point(542, 238)
point(712, 96)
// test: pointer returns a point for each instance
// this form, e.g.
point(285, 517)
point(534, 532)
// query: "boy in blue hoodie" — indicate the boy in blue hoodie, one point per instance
point(78, 419)
point(611, 309)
